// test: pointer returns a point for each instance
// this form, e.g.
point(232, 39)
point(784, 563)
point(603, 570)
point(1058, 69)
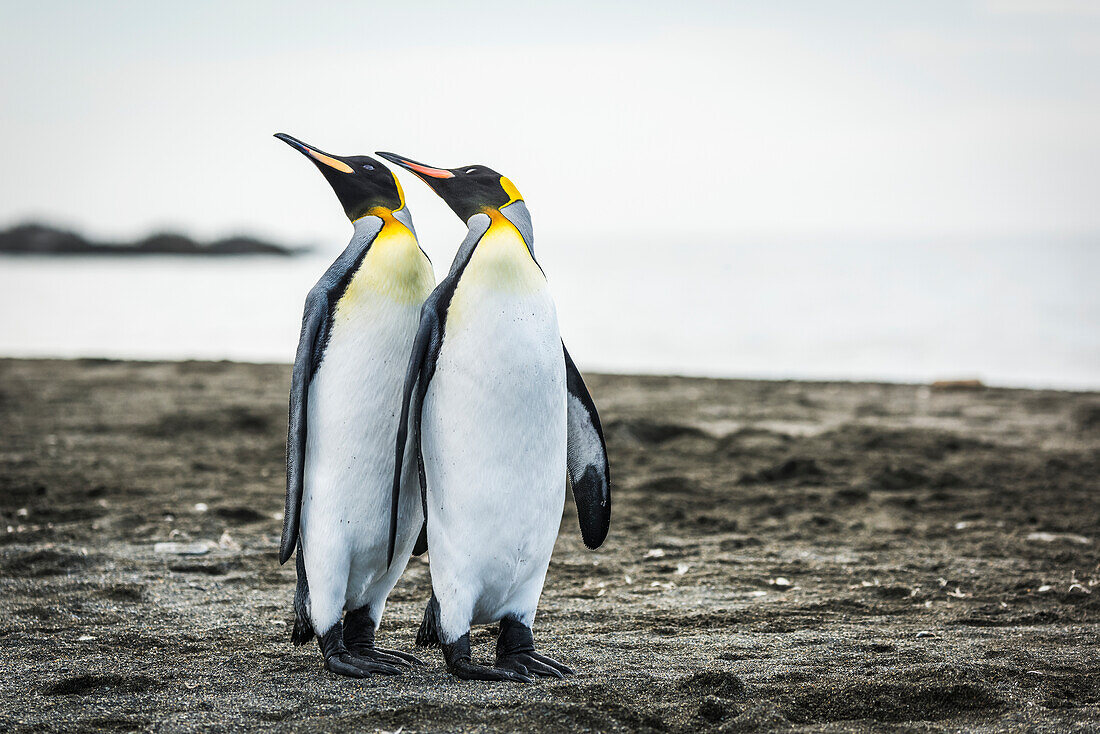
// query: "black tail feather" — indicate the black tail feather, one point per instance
point(303, 628)
point(429, 635)
point(421, 541)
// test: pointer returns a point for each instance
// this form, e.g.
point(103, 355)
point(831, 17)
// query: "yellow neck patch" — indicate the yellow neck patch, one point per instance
point(400, 191)
point(511, 190)
point(394, 268)
point(501, 260)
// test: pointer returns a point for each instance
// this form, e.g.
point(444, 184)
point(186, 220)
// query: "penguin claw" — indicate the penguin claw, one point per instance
point(534, 664)
point(514, 665)
point(465, 670)
point(355, 667)
point(402, 655)
point(374, 666)
point(377, 655)
point(551, 663)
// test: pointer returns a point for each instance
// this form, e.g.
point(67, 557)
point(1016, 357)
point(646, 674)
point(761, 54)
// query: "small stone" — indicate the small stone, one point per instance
point(655, 553)
point(182, 549)
point(201, 507)
point(1052, 537)
point(226, 542)
point(85, 638)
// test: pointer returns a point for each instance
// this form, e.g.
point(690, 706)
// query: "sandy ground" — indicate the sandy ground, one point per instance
point(783, 556)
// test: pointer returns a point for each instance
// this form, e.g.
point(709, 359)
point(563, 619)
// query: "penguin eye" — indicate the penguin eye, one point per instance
point(369, 167)
point(471, 170)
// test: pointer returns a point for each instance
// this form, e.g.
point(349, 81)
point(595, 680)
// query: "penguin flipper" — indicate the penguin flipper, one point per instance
point(314, 326)
point(586, 460)
point(316, 322)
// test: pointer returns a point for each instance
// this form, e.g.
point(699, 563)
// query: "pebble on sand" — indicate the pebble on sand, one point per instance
point(182, 549)
point(1051, 537)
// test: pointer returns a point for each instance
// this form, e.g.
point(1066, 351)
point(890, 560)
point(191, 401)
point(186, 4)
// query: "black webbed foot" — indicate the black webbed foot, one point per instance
point(338, 660)
point(351, 666)
point(457, 656)
point(359, 639)
point(516, 651)
point(404, 656)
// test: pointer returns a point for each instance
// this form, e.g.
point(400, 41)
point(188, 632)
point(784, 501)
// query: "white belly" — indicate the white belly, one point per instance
point(352, 426)
point(494, 439)
point(352, 414)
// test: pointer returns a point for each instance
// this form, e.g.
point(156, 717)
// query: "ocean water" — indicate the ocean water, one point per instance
point(1015, 313)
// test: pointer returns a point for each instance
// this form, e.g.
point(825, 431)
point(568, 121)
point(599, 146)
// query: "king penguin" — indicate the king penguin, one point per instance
point(358, 327)
point(500, 420)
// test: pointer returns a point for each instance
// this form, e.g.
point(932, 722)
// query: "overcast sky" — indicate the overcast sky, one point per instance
point(643, 120)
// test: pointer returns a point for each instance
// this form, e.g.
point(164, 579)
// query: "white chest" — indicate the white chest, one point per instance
point(494, 419)
point(356, 390)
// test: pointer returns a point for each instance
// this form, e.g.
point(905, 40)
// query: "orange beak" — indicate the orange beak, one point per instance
point(418, 168)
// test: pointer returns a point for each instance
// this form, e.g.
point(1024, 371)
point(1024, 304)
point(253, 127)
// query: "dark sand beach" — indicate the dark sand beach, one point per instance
point(783, 556)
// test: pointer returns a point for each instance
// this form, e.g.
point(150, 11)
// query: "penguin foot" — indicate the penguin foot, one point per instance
point(531, 663)
point(359, 639)
point(457, 656)
point(516, 651)
point(338, 660)
point(379, 655)
point(401, 655)
point(351, 666)
point(465, 670)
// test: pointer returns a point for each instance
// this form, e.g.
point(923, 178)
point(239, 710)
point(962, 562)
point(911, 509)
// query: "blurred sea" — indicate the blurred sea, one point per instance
point(1015, 313)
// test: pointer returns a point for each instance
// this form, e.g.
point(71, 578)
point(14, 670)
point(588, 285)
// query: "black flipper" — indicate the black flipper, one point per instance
point(316, 322)
point(589, 473)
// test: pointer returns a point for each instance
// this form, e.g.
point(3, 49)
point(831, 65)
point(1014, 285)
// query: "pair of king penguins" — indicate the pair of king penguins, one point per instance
point(446, 418)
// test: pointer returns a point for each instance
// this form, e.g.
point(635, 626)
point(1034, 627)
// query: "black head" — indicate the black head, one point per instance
point(361, 183)
point(467, 189)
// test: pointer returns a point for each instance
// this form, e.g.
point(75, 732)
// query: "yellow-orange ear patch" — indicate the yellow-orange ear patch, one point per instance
point(510, 189)
point(329, 161)
point(400, 191)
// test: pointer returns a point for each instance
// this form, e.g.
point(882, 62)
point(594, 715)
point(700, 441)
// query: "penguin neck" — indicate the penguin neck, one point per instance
point(393, 264)
point(366, 224)
point(502, 259)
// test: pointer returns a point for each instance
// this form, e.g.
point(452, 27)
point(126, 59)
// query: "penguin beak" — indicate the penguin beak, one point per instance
point(419, 169)
point(318, 156)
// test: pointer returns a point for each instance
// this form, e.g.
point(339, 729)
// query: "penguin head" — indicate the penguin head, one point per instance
point(361, 183)
point(468, 190)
